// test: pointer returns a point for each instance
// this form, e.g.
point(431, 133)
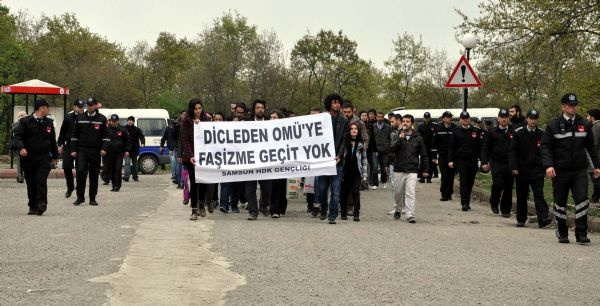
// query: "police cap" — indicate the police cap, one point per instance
point(569, 99)
point(532, 113)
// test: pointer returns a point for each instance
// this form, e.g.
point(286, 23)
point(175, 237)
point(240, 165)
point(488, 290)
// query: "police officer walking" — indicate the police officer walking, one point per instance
point(525, 161)
point(442, 140)
point(35, 140)
point(427, 129)
point(464, 152)
point(89, 142)
point(564, 144)
point(495, 149)
point(64, 144)
point(119, 146)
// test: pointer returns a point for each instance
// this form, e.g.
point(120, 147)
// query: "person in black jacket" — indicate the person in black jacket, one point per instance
point(426, 130)
point(137, 140)
point(516, 117)
point(442, 139)
point(495, 149)
point(525, 162)
point(257, 113)
point(35, 141)
point(381, 136)
point(332, 183)
point(464, 152)
point(119, 146)
point(64, 144)
point(410, 159)
point(89, 142)
point(564, 144)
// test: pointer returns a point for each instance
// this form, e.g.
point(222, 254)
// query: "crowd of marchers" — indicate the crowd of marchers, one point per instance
point(372, 149)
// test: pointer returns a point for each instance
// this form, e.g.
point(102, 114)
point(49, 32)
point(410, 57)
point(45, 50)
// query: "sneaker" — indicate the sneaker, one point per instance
point(322, 216)
point(202, 212)
point(397, 215)
point(582, 239)
point(332, 222)
point(391, 212)
point(411, 219)
point(78, 201)
point(520, 224)
point(275, 216)
point(252, 217)
point(356, 218)
point(194, 215)
point(223, 210)
point(374, 188)
point(562, 239)
point(495, 210)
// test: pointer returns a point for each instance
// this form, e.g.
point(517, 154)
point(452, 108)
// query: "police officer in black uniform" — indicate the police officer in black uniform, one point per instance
point(64, 144)
point(89, 142)
point(35, 140)
point(442, 139)
point(427, 129)
point(496, 145)
point(564, 144)
point(525, 161)
point(464, 152)
point(119, 146)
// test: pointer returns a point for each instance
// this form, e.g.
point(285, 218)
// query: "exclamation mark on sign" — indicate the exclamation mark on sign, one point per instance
point(463, 70)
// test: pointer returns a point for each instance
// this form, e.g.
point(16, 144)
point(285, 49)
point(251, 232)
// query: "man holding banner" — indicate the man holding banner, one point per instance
point(339, 124)
point(258, 114)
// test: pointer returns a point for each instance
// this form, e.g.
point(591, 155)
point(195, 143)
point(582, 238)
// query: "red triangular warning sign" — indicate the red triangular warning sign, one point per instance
point(463, 75)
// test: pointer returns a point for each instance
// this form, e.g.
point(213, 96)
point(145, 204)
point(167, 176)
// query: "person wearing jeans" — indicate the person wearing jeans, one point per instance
point(333, 104)
point(410, 158)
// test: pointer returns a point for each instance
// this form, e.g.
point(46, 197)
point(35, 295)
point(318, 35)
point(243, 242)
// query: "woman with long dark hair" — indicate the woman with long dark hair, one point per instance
point(355, 169)
point(195, 114)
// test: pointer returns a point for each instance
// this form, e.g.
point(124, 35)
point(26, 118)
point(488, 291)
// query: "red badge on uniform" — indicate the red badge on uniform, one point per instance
point(474, 134)
point(539, 143)
point(509, 135)
point(97, 126)
point(119, 133)
point(581, 128)
point(48, 130)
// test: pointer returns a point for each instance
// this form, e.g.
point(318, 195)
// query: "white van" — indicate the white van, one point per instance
point(153, 123)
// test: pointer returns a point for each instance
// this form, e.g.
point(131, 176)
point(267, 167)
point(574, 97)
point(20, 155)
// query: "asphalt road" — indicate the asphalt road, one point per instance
point(138, 247)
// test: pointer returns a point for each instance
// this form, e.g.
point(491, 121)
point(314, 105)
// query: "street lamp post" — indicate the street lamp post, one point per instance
point(469, 41)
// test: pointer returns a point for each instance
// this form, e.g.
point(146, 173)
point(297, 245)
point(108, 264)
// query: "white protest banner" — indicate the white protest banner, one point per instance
point(261, 150)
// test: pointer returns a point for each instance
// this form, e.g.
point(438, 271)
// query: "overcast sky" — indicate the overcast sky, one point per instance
point(372, 24)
